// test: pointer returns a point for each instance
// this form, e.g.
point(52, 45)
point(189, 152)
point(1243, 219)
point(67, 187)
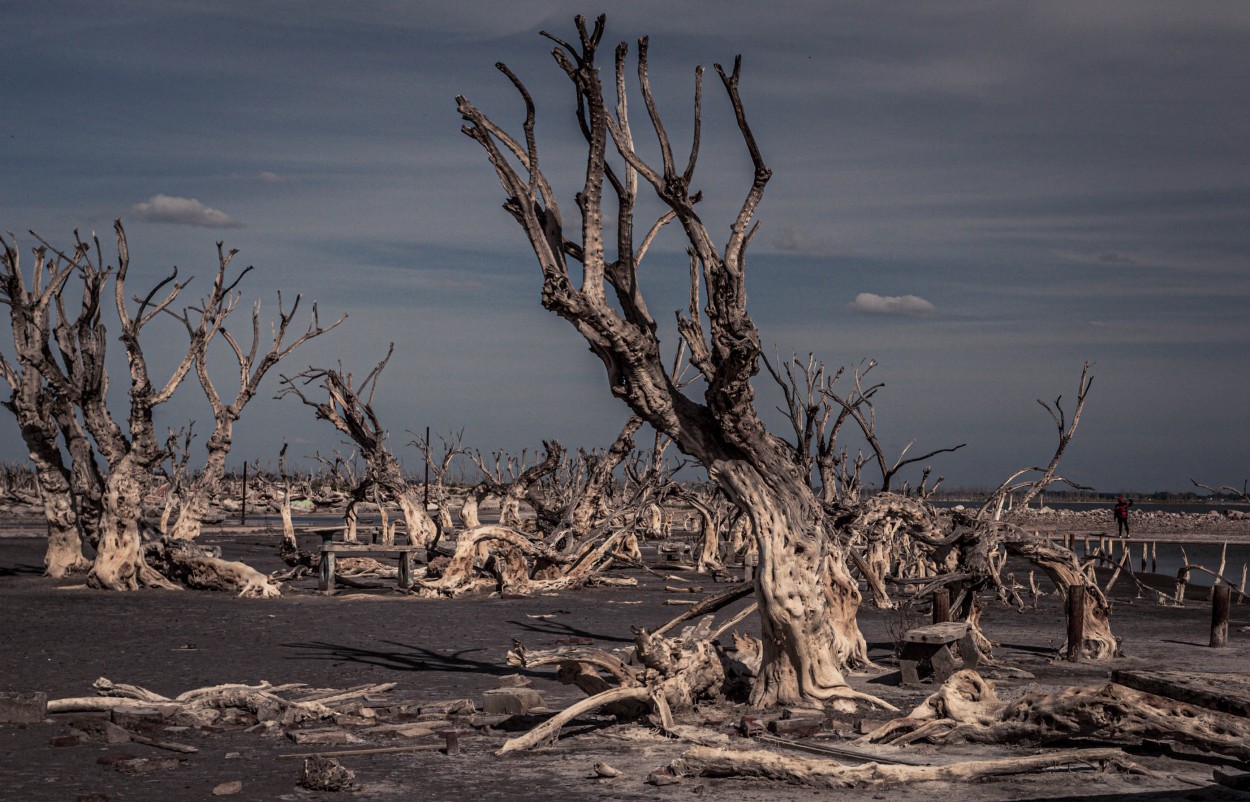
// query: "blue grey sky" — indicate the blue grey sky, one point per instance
point(981, 196)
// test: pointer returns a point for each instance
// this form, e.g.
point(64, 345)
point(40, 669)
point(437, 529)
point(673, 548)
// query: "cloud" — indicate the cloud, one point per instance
point(273, 178)
point(1102, 258)
point(795, 240)
point(894, 305)
point(182, 211)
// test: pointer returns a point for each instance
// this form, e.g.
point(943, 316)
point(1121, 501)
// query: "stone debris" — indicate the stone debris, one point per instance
point(511, 701)
point(146, 765)
point(326, 774)
point(604, 770)
point(228, 788)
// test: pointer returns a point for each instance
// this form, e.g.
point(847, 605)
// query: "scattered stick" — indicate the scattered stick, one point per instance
point(380, 750)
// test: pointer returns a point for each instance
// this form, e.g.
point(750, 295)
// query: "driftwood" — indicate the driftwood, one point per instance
point(499, 558)
point(263, 700)
point(197, 567)
point(676, 673)
point(966, 708)
point(701, 761)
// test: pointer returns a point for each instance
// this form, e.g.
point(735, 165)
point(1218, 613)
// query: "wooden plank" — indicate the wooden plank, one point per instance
point(1227, 693)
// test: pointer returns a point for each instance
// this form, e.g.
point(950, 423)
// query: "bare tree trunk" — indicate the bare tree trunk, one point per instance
point(198, 499)
point(119, 562)
point(468, 511)
point(806, 596)
point(64, 553)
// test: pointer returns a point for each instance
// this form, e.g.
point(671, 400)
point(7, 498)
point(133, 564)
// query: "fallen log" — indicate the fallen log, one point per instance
point(702, 761)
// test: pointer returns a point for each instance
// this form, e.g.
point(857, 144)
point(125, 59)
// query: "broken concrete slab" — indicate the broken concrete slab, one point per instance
point(23, 708)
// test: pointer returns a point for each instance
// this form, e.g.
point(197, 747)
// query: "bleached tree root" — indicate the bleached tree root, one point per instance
point(196, 567)
point(966, 697)
point(512, 556)
point(550, 728)
point(701, 761)
point(261, 699)
point(966, 709)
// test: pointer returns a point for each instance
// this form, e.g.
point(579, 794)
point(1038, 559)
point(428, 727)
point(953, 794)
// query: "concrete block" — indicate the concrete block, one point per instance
point(23, 708)
point(511, 701)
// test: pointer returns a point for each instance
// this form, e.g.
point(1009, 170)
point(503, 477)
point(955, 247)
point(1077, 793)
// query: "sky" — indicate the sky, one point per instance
point(979, 196)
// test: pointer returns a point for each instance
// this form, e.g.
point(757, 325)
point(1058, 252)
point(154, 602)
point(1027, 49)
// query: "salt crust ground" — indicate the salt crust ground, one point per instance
point(59, 637)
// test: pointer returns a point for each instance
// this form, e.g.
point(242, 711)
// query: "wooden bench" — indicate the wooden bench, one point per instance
point(330, 550)
point(933, 647)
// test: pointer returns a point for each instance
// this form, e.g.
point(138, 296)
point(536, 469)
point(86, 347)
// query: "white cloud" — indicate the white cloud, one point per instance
point(273, 178)
point(182, 211)
point(895, 305)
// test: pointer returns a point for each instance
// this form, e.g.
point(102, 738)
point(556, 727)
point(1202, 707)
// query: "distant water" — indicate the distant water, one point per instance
point(1169, 558)
point(1138, 506)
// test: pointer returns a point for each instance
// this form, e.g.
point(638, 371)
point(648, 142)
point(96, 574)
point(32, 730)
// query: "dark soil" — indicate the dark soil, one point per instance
point(59, 637)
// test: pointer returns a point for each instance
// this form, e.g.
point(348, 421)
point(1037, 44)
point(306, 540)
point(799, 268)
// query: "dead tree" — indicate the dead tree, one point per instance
point(1044, 476)
point(134, 455)
point(439, 467)
point(204, 324)
point(583, 502)
point(110, 506)
point(349, 409)
point(37, 405)
point(1242, 494)
point(509, 480)
point(715, 513)
point(806, 596)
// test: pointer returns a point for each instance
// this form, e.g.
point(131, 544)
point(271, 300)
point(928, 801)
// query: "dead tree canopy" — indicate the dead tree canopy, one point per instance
point(349, 408)
point(61, 390)
point(807, 598)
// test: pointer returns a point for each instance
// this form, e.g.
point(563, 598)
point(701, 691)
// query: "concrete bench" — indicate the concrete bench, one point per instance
point(933, 648)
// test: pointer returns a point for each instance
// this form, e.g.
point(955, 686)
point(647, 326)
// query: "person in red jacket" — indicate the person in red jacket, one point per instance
point(1121, 516)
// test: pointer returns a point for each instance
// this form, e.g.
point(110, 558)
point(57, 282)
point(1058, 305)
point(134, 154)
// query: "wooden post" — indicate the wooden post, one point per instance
point(1076, 621)
point(941, 605)
point(1220, 596)
point(243, 508)
point(325, 572)
point(405, 569)
point(1145, 552)
point(427, 470)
